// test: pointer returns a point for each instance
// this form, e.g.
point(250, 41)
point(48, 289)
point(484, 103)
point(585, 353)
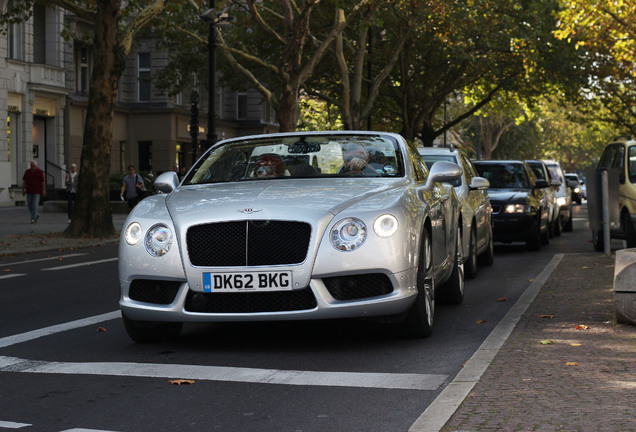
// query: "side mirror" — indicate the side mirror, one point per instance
point(443, 172)
point(555, 183)
point(167, 182)
point(479, 183)
point(541, 184)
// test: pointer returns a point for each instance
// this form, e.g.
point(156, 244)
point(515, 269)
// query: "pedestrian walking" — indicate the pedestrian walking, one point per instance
point(33, 187)
point(132, 186)
point(71, 189)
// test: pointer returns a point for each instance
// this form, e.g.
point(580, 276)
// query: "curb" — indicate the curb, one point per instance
point(446, 403)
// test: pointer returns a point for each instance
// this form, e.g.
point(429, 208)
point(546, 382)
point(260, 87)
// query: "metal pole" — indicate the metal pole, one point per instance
point(605, 209)
point(212, 79)
point(194, 123)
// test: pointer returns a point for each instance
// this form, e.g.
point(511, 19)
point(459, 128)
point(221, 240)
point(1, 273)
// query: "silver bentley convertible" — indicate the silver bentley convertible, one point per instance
point(293, 226)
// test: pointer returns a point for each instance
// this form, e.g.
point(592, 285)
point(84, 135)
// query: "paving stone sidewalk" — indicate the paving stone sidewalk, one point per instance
point(567, 366)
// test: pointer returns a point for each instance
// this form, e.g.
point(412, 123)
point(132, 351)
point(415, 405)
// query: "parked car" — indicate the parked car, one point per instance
point(575, 184)
point(250, 236)
point(563, 194)
point(621, 154)
point(541, 172)
point(475, 208)
point(518, 202)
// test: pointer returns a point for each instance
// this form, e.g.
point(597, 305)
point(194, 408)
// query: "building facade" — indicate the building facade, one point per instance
point(44, 84)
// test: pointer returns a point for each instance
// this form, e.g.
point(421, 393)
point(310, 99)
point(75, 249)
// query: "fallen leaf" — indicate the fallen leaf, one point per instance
point(527, 379)
point(572, 363)
point(546, 342)
point(60, 258)
point(502, 299)
point(43, 242)
point(481, 322)
point(7, 270)
point(181, 381)
point(575, 344)
point(530, 280)
point(101, 329)
point(582, 327)
point(546, 316)
point(587, 267)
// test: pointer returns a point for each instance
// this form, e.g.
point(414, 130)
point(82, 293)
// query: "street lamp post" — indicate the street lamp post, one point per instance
point(194, 123)
point(212, 137)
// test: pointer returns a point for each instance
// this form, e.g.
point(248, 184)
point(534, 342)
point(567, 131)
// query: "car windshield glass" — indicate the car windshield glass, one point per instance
point(302, 156)
point(570, 177)
point(504, 175)
point(430, 159)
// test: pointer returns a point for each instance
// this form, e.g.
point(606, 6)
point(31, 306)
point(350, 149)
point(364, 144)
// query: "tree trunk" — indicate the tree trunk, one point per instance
point(92, 216)
point(286, 110)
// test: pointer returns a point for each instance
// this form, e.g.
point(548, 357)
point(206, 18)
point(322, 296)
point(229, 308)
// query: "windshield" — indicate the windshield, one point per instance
point(302, 156)
point(504, 175)
point(537, 169)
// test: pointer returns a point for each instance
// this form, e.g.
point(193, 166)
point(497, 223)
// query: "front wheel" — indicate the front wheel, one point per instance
point(487, 257)
point(470, 268)
point(597, 240)
point(419, 318)
point(628, 229)
point(568, 224)
point(454, 287)
point(533, 241)
point(150, 331)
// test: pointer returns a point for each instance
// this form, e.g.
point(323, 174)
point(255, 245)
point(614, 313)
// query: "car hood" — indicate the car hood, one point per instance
point(301, 199)
point(508, 195)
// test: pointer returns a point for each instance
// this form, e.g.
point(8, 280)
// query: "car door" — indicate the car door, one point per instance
point(479, 202)
point(437, 197)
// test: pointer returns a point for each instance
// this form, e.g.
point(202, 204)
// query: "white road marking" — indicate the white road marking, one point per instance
point(45, 259)
point(12, 425)
point(35, 334)
point(80, 264)
point(85, 430)
point(428, 382)
point(12, 275)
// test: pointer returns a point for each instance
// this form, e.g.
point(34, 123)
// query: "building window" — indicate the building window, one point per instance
point(143, 77)
point(83, 62)
point(241, 106)
point(39, 34)
point(15, 35)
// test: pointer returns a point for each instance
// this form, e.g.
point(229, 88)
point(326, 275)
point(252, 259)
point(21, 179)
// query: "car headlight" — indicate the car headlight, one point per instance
point(385, 225)
point(577, 190)
point(561, 201)
point(348, 234)
point(515, 208)
point(158, 240)
point(133, 233)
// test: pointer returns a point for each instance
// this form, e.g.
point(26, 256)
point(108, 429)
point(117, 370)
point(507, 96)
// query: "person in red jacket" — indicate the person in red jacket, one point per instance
point(33, 186)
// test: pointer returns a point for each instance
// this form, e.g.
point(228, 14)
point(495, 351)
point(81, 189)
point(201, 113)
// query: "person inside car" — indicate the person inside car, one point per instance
point(356, 161)
point(269, 165)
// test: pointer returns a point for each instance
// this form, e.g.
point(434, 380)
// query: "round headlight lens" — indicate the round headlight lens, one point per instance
point(158, 240)
point(348, 234)
point(385, 225)
point(133, 233)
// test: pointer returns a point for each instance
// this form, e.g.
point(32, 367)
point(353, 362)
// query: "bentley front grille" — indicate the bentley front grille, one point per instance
point(250, 302)
point(248, 243)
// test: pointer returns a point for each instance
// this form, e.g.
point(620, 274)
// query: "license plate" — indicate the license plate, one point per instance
point(251, 281)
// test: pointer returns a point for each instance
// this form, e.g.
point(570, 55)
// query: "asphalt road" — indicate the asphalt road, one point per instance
point(66, 362)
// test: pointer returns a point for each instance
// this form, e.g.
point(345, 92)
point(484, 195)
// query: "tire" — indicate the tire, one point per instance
point(545, 235)
point(420, 317)
point(487, 257)
point(148, 331)
point(533, 242)
point(557, 226)
point(597, 240)
point(628, 229)
point(454, 287)
point(470, 267)
point(568, 224)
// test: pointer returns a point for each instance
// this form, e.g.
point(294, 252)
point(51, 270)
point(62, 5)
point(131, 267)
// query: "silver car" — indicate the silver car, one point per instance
point(475, 209)
point(293, 226)
point(541, 172)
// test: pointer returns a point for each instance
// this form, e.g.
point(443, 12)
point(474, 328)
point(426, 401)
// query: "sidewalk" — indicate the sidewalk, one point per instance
point(19, 235)
point(567, 365)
